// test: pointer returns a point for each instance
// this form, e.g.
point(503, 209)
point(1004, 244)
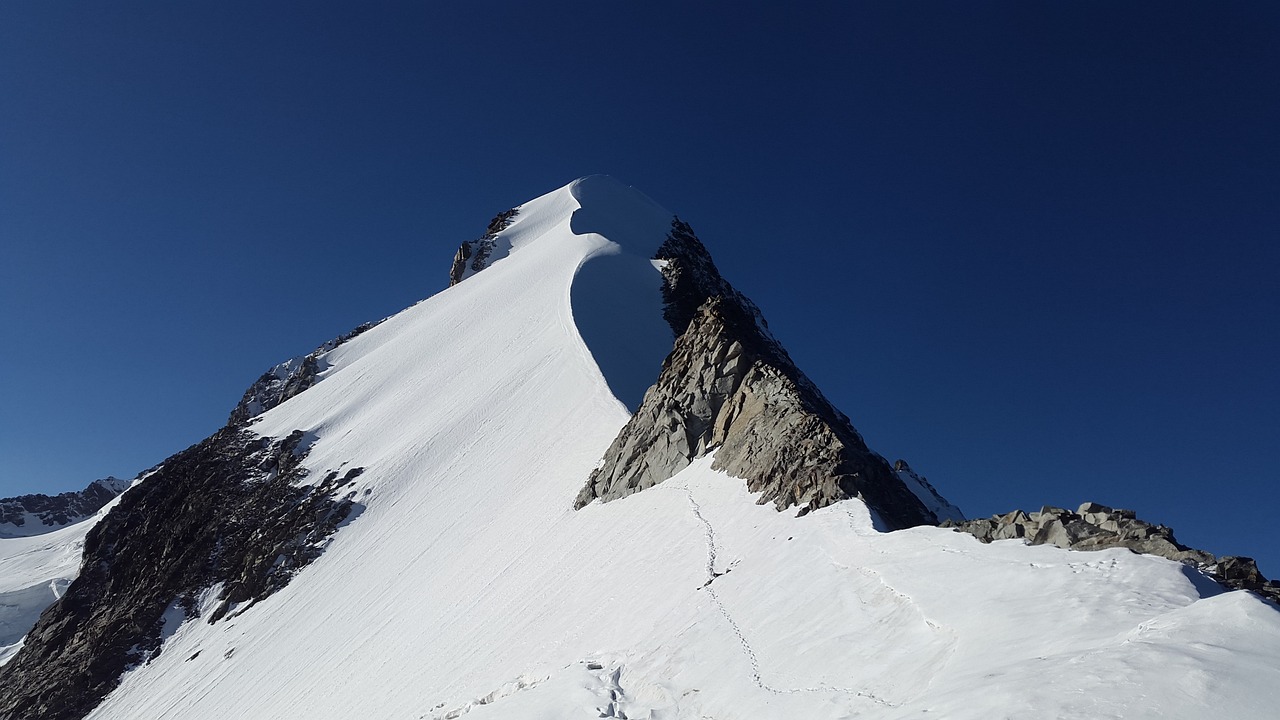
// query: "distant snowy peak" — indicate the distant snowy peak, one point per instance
point(28, 515)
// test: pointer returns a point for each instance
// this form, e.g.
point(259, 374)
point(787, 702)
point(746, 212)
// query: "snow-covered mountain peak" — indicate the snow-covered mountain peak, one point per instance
point(386, 527)
point(626, 220)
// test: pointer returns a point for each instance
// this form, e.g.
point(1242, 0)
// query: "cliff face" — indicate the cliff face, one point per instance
point(729, 386)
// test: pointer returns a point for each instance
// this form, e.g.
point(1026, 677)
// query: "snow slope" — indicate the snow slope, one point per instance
point(469, 587)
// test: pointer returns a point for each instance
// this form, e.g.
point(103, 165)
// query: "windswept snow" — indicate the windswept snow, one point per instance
point(469, 587)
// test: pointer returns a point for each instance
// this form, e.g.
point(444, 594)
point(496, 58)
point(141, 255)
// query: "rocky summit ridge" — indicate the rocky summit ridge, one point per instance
point(729, 387)
point(1094, 526)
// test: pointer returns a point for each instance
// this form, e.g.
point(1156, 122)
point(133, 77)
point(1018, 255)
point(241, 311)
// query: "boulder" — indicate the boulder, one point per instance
point(1052, 511)
point(1092, 507)
point(1241, 572)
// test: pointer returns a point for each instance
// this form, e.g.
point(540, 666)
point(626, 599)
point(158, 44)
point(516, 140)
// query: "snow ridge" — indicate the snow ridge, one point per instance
point(469, 586)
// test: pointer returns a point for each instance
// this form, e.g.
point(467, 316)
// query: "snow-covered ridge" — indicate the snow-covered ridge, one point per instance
point(287, 379)
point(469, 587)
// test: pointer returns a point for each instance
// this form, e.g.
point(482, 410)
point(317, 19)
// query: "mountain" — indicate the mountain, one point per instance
point(27, 515)
point(586, 481)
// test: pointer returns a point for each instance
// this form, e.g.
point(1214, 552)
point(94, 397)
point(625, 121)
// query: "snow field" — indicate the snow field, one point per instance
point(469, 587)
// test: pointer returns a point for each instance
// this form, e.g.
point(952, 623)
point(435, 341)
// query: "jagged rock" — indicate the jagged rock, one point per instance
point(1051, 511)
point(478, 251)
point(229, 510)
point(728, 385)
point(1243, 572)
point(1009, 532)
point(286, 380)
point(37, 513)
point(1096, 527)
point(459, 268)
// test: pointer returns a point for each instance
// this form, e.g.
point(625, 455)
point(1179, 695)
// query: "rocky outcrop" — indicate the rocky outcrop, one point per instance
point(286, 380)
point(728, 385)
point(1096, 527)
point(473, 255)
point(34, 514)
point(230, 515)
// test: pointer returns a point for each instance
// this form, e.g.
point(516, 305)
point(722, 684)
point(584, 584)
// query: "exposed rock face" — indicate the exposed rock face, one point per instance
point(473, 255)
point(228, 513)
point(34, 514)
point(728, 385)
point(286, 380)
point(1096, 527)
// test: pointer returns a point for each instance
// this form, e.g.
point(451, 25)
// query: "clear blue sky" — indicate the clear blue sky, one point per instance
point(1030, 247)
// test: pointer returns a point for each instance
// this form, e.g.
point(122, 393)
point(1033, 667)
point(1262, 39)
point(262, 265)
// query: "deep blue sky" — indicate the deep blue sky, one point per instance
point(1030, 247)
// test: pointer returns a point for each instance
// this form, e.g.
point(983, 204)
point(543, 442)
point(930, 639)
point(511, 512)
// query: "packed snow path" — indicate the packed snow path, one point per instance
point(756, 675)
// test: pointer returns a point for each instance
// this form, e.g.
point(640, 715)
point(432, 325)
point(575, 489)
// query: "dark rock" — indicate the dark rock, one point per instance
point(474, 255)
point(728, 385)
point(1241, 572)
point(286, 380)
point(230, 511)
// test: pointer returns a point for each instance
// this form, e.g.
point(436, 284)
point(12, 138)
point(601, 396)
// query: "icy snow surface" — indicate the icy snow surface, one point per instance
point(469, 587)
